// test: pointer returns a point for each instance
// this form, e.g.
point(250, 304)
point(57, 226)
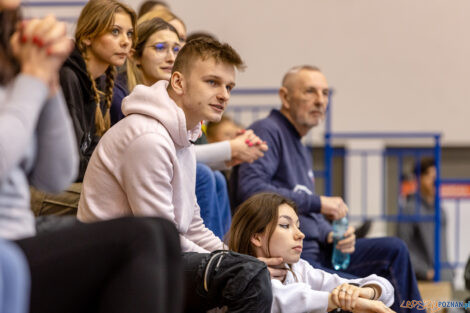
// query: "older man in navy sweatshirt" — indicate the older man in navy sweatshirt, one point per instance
point(287, 169)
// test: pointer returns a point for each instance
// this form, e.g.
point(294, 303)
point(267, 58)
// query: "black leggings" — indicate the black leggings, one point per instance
point(224, 278)
point(122, 265)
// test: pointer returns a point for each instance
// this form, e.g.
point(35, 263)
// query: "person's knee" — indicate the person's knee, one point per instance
point(395, 246)
point(220, 180)
point(205, 176)
point(248, 278)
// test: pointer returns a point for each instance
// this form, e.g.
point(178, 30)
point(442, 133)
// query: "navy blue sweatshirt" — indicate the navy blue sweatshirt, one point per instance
point(286, 169)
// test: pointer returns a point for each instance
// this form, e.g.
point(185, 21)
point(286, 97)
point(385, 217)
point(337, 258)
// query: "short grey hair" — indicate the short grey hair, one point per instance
point(296, 69)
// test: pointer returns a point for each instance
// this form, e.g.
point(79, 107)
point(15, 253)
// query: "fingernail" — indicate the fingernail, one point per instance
point(49, 51)
point(39, 43)
point(24, 39)
point(243, 131)
point(258, 142)
point(247, 141)
point(250, 145)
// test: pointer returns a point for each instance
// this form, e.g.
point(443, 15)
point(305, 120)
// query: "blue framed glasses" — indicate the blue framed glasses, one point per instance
point(163, 48)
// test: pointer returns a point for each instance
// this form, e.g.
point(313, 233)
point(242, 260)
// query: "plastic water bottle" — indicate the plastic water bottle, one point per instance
point(339, 259)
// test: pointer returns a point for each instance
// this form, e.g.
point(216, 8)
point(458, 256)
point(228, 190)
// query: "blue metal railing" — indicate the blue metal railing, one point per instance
point(330, 135)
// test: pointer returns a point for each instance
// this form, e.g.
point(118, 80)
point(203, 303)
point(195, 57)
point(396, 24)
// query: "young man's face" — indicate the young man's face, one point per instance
point(207, 90)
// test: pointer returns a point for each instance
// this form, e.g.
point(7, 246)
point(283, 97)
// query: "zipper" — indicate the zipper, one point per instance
point(206, 272)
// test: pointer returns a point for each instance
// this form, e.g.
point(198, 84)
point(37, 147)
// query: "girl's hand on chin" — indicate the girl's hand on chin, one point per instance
point(276, 268)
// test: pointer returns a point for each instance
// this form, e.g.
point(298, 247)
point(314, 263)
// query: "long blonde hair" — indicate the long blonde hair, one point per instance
point(96, 18)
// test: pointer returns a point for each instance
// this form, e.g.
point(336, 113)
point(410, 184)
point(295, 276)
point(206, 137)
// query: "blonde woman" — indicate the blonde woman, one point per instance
point(103, 39)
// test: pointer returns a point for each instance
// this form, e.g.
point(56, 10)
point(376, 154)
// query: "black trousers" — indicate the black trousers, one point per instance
point(130, 265)
point(225, 278)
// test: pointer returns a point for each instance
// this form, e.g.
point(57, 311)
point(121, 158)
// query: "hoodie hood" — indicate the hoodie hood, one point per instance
point(155, 102)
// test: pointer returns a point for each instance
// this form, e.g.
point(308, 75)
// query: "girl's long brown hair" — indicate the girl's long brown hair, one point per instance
point(96, 18)
point(259, 214)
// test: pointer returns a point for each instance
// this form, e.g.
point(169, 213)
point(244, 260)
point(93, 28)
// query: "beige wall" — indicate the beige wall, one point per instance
point(389, 61)
point(396, 65)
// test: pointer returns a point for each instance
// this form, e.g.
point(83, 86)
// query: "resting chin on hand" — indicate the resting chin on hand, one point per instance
point(276, 268)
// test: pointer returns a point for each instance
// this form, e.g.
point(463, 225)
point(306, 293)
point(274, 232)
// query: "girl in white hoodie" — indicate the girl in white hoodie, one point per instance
point(267, 225)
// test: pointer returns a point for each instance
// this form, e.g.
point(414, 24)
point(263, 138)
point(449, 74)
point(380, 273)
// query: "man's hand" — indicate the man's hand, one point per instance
point(333, 208)
point(276, 267)
point(246, 147)
point(348, 243)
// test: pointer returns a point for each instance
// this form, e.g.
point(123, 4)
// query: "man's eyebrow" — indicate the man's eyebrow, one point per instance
point(322, 89)
point(218, 78)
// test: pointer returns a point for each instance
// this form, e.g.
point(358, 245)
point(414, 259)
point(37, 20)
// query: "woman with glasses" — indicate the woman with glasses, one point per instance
point(155, 53)
point(152, 60)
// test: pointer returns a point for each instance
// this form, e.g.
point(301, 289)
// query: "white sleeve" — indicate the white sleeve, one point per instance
point(214, 155)
point(297, 297)
point(321, 280)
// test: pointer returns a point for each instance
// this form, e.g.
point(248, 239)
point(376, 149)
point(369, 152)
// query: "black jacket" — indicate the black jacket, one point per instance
point(77, 88)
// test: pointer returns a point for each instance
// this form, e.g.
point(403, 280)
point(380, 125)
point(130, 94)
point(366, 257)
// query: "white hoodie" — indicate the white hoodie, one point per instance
point(309, 290)
point(145, 166)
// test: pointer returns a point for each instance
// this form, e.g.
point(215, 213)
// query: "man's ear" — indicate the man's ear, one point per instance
point(257, 240)
point(284, 95)
point(177, 83)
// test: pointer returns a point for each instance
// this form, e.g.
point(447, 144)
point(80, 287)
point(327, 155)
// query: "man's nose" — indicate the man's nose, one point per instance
point(321, 101)
point(223, 94)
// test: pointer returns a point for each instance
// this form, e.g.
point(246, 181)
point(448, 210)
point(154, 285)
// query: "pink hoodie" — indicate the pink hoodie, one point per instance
point(146, 166)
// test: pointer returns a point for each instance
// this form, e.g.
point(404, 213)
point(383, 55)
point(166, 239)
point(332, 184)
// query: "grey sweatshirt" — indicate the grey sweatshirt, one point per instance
point(37, 147)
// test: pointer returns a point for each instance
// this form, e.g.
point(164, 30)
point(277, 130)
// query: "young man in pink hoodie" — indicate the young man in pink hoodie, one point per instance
point(145, 166)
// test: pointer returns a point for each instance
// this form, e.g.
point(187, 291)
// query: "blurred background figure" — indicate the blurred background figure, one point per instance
point(419, 235)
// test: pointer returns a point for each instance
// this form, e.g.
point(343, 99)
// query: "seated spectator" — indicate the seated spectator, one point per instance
point(286, 169)
point(419, 235)
point(146, 166)
point(169, 17)
point(123, 265)
point(267, 225)
point(152, 61)
point(103, 39)
point(226, 129)
point(150, 5)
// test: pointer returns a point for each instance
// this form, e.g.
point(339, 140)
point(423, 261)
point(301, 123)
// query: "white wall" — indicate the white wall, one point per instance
point(396, 65)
